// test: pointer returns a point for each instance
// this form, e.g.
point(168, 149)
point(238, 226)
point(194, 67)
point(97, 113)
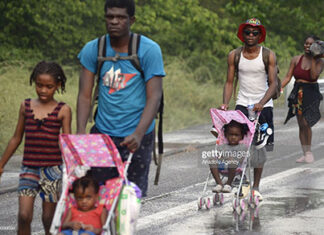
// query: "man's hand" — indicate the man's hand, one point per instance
point(258, 107)
point(224, 107)
point(132, 142)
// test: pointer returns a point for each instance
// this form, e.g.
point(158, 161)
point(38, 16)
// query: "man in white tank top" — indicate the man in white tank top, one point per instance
point(256, 87)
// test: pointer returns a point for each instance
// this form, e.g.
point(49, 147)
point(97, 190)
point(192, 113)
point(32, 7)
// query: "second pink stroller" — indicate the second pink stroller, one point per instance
point(219, 119)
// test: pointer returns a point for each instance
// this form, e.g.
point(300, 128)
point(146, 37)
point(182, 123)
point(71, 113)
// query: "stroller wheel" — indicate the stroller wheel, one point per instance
point(242, 204)
point(256, 212)
point(251, 202)
point(256, 200)
point(235, 204)
point(200, 203)
point(242, 217)
point(216, 198)
point(221, 198)
point(208, 203)
point(238, 210)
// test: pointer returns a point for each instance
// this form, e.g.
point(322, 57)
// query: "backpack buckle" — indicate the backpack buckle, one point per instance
point(116, 57)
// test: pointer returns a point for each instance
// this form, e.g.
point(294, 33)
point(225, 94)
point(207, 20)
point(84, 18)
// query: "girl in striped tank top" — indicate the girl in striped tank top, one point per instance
point(41, 121)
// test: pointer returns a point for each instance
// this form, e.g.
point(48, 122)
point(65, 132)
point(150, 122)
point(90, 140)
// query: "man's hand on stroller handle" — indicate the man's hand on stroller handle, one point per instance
point(132, 142)
point(258, 107)
point(224, 107)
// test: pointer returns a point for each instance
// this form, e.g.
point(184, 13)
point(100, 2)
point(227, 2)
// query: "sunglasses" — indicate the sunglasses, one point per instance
point(248, 32)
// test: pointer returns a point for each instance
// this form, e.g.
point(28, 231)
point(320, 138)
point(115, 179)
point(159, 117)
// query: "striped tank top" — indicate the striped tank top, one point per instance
point(41, 138)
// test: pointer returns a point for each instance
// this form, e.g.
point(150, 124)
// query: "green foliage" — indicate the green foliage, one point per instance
point(53, 29)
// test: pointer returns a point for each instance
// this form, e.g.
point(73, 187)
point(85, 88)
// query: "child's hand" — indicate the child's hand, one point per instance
point(88, 227)
point(1, 171)
point(77, 226)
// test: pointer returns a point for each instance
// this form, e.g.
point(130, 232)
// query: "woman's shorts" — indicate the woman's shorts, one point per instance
point(47, 181)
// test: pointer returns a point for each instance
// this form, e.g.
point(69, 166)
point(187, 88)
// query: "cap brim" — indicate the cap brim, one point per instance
point(243, 25)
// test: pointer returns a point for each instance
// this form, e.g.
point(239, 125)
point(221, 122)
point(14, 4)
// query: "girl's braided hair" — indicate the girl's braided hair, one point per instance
point(51, 68)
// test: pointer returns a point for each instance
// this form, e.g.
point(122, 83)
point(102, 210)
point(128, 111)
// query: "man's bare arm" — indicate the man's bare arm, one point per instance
point(86, 83)
point(272, 70)
point(153, 97)
point(228, 87)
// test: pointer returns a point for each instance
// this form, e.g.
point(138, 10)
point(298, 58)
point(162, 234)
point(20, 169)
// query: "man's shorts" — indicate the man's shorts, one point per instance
point(259, 157)
point(47, 181)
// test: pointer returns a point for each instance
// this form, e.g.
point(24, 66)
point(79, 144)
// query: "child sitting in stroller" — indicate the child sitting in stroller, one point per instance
point(229, 155)
point(86, 217)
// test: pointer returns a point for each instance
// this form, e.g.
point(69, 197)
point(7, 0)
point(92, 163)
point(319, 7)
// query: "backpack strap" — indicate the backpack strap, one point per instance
point(237, 57)
point(132, 51)
point(132, 56)
point(265, 58)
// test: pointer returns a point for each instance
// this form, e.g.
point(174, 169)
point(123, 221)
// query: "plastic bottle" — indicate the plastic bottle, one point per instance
point(251, 113)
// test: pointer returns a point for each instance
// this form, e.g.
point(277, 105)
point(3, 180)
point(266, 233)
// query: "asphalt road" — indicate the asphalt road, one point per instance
point(293, 193)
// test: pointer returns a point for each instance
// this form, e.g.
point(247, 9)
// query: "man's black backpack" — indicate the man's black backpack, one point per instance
point(132, 56)
point(265, 58)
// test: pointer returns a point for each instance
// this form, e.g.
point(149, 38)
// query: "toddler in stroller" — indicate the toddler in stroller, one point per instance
point(88, 216)
point(229, 155)
point(234, 134)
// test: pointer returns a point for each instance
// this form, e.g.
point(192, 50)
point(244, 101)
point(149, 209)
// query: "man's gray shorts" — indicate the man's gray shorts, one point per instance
point(258, 156)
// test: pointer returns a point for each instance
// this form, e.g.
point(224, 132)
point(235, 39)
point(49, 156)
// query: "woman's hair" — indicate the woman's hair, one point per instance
point(85, 182)
point(128, 4)
point(50, 68)
point(243, 127)
point(314, 37)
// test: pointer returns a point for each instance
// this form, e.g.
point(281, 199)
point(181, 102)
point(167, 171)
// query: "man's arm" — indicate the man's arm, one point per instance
point(153, 98)
point(290, 71)
point(228, 87)
point(272, 70)
point(86, 83)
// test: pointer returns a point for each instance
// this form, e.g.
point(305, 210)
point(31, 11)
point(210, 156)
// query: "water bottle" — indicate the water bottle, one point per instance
point(251, 113)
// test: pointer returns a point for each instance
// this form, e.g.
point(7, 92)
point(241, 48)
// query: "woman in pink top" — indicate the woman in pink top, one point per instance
point(86, 218)
point(305, 97)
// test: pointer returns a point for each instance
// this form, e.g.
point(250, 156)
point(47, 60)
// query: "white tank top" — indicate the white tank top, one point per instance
point(253, 81)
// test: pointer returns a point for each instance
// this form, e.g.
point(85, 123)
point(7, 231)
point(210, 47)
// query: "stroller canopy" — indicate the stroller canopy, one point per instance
point(93, 150)
point(221, 117)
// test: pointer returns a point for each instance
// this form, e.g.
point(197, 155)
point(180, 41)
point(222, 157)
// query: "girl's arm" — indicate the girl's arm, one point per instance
point(290, 71)
point(68, 224)
point(15, 140)
point(66, 117)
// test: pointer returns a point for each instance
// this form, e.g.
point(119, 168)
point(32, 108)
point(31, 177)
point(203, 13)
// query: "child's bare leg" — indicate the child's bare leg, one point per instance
point(47, 216)
point(215, 173)
point(231, 175)
point(25, 214)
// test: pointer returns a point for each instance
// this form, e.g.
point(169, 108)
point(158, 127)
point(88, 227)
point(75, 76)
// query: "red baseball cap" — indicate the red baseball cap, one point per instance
point(255, 23)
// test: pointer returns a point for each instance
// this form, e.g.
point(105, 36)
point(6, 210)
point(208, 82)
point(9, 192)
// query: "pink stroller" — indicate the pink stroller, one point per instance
point(219, 119)
point(80, 153)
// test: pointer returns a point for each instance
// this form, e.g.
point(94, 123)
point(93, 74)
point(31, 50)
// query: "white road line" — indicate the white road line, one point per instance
point(191, 207)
